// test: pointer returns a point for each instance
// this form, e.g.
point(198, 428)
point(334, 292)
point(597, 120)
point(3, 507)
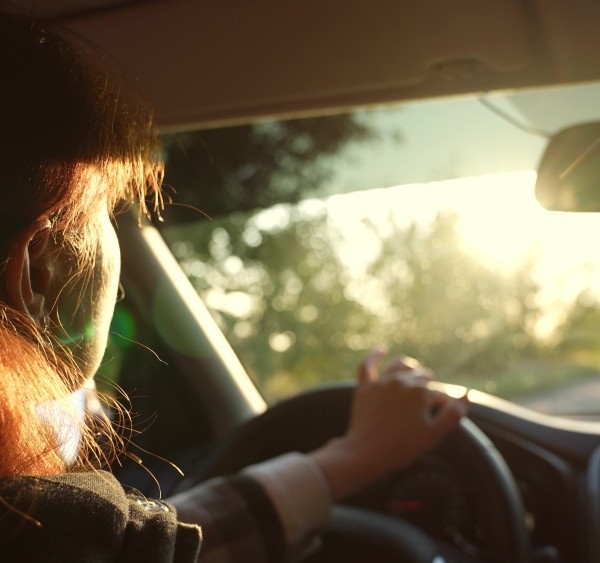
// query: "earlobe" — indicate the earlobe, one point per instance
point(28, 271)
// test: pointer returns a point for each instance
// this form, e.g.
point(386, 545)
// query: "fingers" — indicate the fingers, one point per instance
point(442, 412)
point(367, 369)
point(404, 363)
point(408, 369)
point(403, 366)
point(418, 375)
point(448, 415)
point(436, 399)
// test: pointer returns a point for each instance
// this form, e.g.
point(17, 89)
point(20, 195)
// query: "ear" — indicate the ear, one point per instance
point(28, 271)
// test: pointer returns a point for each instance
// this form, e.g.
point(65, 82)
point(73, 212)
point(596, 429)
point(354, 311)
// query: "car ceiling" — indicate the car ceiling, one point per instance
point(206, 63)
point(64, 8)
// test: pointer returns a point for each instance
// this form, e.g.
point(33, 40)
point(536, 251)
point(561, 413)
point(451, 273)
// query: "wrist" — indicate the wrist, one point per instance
point(345, 470)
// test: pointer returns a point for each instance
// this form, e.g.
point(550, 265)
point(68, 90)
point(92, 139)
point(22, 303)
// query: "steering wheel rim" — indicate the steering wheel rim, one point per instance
point(306, 421)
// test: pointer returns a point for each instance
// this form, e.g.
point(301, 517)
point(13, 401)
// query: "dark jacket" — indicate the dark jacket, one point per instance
point(87, 517)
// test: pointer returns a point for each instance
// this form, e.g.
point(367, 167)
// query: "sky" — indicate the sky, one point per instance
point(460, 137)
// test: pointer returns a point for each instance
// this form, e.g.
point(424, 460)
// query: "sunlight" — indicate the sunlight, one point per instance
point(500, 218)
point(499, 221)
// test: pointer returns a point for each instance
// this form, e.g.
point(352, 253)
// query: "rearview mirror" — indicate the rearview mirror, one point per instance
point(569, 172)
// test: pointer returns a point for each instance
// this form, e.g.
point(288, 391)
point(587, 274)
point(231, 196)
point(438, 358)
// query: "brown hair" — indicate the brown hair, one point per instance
point(70, 137)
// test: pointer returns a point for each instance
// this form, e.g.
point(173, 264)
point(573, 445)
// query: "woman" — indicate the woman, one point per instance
point(73, 147)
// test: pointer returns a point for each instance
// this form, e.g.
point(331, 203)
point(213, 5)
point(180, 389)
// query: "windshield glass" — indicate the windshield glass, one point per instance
point(415, 227)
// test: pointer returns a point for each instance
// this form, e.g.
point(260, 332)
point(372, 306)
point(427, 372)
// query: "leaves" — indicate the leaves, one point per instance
point(222, 171)
point(307, 319)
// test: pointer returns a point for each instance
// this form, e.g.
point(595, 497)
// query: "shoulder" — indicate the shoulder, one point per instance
point(88, 516)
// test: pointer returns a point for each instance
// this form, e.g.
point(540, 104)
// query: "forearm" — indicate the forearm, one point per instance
point(298, 505)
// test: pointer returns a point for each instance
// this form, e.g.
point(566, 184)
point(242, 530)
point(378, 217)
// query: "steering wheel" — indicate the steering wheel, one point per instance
point(306, 421)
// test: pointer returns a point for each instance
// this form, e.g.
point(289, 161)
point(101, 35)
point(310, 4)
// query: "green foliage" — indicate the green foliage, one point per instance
point(221, 171)
point(446, 307)
point(295, 315)
point(294, 310)
point(579, 333)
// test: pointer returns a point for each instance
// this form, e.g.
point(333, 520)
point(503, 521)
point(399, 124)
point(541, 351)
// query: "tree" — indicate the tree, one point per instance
point(233, 169)
point(578, 340)
point(443, 305)
point(295, 316)
point(282, 293)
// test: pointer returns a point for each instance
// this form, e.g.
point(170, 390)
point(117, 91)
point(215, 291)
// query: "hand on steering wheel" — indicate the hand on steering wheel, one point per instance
point(331, 414)
point(395, 418)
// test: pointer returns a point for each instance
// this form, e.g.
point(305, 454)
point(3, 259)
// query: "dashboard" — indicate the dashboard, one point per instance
point(436, 495)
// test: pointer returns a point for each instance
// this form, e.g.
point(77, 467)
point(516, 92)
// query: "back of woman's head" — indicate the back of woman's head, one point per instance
point(62, 116)
point(70, 140)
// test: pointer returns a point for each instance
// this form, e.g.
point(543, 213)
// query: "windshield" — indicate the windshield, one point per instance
point(313, 240)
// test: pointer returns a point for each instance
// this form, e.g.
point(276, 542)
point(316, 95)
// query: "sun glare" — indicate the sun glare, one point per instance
point(499, 217)
point(499, 220)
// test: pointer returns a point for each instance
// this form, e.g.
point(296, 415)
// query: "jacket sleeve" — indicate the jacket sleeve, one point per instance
point(269, 513)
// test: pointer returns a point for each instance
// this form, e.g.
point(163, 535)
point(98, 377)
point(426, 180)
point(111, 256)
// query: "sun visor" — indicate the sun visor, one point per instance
point(204, 63)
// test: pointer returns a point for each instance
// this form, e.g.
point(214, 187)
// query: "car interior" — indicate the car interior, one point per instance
point(345, 174)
